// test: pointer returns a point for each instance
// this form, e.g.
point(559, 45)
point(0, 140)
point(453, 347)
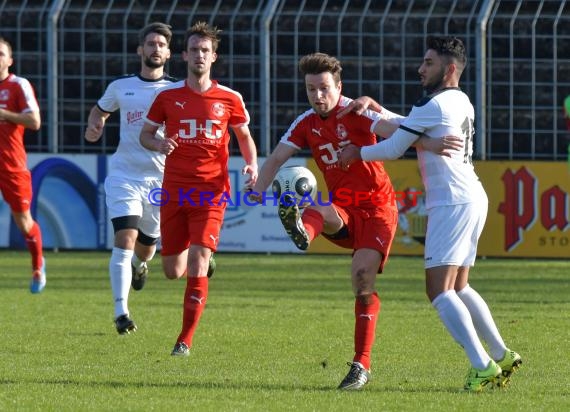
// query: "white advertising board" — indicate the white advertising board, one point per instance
point(69, 204)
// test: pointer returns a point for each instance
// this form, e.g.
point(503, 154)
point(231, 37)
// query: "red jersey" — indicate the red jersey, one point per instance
point(201, 121)
point(364, 184)
point(16, 95)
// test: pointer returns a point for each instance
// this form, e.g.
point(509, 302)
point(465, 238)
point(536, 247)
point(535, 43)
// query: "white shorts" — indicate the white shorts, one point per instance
point(125, 197)
point(452, 234)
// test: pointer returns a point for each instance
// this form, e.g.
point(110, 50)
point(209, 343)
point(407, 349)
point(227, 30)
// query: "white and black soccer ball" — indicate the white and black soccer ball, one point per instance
point(297, 181)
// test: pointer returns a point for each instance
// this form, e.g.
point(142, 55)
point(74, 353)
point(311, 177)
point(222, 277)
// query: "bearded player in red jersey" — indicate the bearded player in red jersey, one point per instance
point(19, 110)
point(362, 215)
point(196, 113)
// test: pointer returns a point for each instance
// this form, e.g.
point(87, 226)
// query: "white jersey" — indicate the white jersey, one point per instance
point(132, 96)
point(447, 180)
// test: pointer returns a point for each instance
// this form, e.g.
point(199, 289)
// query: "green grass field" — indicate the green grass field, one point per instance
point(276, 335)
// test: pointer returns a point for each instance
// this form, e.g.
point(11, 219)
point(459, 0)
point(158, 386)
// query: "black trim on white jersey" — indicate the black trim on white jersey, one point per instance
point(165, 77)
point(412, 131)
point(423, 101)
point(143, 79)
point(101, 110)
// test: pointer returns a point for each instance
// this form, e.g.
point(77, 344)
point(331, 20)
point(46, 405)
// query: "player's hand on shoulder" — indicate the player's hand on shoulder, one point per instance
point(358, 106)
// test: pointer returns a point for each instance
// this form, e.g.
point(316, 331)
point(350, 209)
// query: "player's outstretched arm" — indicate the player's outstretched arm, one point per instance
point(270, 167)
point(359, 105)
point(388, 149)
point(363, 103)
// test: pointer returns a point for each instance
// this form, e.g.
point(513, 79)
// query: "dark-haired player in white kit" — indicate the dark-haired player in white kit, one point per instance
point(134, 171)
point(456, 203)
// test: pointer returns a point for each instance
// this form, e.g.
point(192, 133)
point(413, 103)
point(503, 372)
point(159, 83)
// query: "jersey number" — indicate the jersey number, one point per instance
point(469, 131)
point(330, 156)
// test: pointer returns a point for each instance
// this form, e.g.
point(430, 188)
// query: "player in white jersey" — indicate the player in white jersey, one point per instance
point(134, 171)
point(456, 204)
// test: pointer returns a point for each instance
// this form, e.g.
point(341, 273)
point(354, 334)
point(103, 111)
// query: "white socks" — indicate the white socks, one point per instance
point(137, 263)
point(456, 318)
point(121, 276)
point(483, 321)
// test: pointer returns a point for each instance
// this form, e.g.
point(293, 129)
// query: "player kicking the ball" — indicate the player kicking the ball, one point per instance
point(456, 203)
point(365, 221)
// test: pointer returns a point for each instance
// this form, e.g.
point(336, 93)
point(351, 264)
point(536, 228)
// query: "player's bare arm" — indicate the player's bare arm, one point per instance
point(30, 120)
point(95, 124)
point(359, 105)
point(270, 167)
point(363, 103)
point(150, 141)
point(249, 153)
point(442, 146)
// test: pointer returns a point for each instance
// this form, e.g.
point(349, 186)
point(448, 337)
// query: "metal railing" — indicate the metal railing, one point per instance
point(517, 76)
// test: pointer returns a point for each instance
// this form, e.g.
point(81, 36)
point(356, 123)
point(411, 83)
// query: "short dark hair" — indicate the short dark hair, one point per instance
point(450, 47)
point(317, 63)
point(202, 29)
point(158, 28)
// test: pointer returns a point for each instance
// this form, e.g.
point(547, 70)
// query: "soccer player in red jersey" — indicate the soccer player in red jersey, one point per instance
point(19, 110)
point(363, 214)
point(197, 113)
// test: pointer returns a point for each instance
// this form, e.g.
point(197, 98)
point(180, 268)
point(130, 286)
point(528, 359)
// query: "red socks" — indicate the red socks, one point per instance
point(194, 304)
point(313, 222)
point(34, 243)
point(365, 329)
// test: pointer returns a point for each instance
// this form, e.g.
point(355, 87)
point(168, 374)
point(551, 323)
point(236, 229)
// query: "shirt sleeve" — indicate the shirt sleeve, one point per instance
point(295, 135)
point(420, 119)
point(155, 115)
point(240, 115)
point(392, 117)
point(391, 148)
point(109, 102)
point(30, 101)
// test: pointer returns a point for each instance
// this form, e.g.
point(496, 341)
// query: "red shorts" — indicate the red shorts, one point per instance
point(368, 229)
point(16, 188)
point(185, 225)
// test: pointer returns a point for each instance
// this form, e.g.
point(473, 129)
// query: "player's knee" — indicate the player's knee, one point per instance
point(173, 271)
point(173, 274)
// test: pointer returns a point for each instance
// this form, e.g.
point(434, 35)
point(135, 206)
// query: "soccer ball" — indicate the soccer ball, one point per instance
point(297, 181)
